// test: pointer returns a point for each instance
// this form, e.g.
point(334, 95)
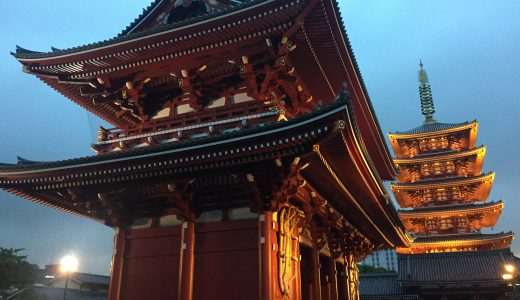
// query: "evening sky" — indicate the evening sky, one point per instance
point(470, 50)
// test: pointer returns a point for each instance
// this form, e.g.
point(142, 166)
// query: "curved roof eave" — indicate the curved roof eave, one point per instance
point(432, 129)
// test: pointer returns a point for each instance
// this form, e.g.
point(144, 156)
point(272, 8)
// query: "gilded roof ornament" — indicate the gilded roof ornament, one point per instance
point(427, 107)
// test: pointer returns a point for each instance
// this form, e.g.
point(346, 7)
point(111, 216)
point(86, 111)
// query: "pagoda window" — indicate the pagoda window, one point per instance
point(431, 224)
point(433, 144)
point(441, 195)
point(414, 176)
point(456, 194)
point(423, 145)
point(443, 143)
point(437, 168)
point(450, 167)
point(446, 224)
point(428, 196)
point(462, 222)
point(425, 170)
point(454, 143)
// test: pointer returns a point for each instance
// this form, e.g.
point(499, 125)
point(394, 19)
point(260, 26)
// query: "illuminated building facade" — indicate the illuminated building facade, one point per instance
point(441, 185)
point(245, 162)
point(386, 259)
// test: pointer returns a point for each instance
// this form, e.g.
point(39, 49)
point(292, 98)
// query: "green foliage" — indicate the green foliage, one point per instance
point(15, 270)
point(371, 269)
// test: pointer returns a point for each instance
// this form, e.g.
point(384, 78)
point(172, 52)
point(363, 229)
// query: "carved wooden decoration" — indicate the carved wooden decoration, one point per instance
point(290, 218)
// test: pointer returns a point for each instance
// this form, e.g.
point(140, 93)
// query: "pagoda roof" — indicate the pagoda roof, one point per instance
point(313, 136)
point(383, 286)
point(440, 156)
point(483, 266)
point(443, 182)
point(459, 242)
point(471, 238)
point(127, 35)
point(489, 212)
point(443, 210)
point(483, 182)
point(188, 43)
point(433, 128)
point(32, 166)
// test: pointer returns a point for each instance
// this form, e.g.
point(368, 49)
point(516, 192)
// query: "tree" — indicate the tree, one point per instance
point(15, 270)
point(370, 269)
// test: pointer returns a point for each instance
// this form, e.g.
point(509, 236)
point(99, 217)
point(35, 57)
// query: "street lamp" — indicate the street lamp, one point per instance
point(507, 276)
point(68, 264)
point(509, 268)
point(510, 275)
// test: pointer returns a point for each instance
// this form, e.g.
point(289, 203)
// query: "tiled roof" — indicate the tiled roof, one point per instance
point(24, 53)
point(439, 155)
point(25, 164)
point(152, 7)
point(460, 237)
point(436, 181)
point(431, 127)
point(379, 284)
point(91, 278)
point(461, 267)
point(456, 207)
point(141, 17)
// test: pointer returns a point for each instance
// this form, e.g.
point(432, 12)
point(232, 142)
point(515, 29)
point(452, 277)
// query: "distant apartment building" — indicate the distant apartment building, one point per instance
point(386, 258)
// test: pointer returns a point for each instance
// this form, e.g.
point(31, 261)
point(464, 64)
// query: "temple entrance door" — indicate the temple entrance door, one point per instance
point(342, 281)
point(306, 270)
point(325, 276)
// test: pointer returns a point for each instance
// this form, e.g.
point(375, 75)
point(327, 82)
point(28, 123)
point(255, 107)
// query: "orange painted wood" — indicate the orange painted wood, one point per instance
point(151, 264)
point(188, 262)
point(116, 272)
point(226, 260)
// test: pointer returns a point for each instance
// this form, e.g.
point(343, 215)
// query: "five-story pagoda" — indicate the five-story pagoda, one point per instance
point(441, 185)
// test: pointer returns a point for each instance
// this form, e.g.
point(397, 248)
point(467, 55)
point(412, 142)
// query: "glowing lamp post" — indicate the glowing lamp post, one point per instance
point(68, 264)
point(510, 275)
point(507, 276)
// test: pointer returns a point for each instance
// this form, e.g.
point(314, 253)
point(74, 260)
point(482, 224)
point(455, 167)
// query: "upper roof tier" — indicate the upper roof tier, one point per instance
point(451, 218)
point(290, 55)
point(434, 137)
point(443, 191)
point(441, 164)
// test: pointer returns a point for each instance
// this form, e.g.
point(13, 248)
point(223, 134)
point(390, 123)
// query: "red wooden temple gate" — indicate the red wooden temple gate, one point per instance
point(240, 167)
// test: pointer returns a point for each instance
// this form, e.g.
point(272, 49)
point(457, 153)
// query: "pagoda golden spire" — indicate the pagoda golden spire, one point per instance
point(425, 92)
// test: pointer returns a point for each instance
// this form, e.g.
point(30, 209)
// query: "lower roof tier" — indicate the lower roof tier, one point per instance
point(458, 243)
point(446, 190)
point(459, 267)
point(252, 167)
point(451, 217)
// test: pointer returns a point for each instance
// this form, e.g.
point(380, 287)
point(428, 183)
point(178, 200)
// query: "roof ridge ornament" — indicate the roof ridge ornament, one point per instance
point(425, 92)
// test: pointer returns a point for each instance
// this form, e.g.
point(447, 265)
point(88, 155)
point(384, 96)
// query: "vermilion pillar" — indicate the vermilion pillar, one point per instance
point(116, 273)
point(333, 279)
point(266, 239)
point(316, 282)
point(187, 261)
